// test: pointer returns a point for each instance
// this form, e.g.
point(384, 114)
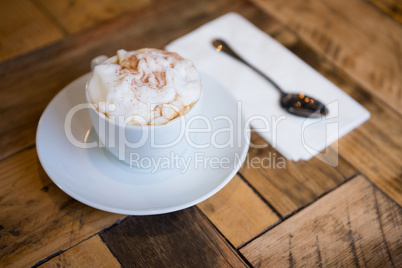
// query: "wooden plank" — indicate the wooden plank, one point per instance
point(30, 82)
point(37, 219)
point(391, 7)
point(355, 225)
point(76, 15)
point(238, 213)
point(375, 148)
point(89, 253)
point(179, 239)
point(365, 43)
point(288, 185)
point(24, 27)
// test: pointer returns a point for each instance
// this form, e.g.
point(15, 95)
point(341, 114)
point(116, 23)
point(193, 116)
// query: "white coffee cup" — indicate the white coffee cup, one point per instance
point(126, 141)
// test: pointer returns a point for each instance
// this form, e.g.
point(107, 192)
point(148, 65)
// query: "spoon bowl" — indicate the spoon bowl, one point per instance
point(302, 105)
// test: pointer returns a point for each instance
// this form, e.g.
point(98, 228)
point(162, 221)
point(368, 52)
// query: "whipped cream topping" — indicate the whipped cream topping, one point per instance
point(147, 86)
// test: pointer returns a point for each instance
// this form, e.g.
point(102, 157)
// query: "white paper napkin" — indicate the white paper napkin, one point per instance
point(294, 137)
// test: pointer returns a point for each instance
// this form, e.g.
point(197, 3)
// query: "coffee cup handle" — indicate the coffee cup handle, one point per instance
point(98, 60)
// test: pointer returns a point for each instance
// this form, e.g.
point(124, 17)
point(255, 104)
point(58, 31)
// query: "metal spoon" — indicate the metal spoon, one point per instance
point(297, 104)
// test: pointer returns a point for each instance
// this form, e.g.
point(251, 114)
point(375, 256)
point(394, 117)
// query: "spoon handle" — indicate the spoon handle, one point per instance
point(221, 45)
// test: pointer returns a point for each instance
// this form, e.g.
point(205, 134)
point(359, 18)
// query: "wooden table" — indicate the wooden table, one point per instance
point(309, 214)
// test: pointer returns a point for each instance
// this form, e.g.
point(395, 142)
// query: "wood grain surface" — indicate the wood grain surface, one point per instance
point(180, 239)
point(89, 253)
point(37, 219)
point(367, 46)
point(293, 184)
point(76, 15)
point(23, 27)
point(238, 213)
point(391, 7)
point(354, 226)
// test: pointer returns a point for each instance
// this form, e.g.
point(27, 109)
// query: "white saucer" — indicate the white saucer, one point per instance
point(98, 179)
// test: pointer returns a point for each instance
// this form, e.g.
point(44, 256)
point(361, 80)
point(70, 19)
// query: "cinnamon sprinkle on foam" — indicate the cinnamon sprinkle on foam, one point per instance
point(146, 83)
